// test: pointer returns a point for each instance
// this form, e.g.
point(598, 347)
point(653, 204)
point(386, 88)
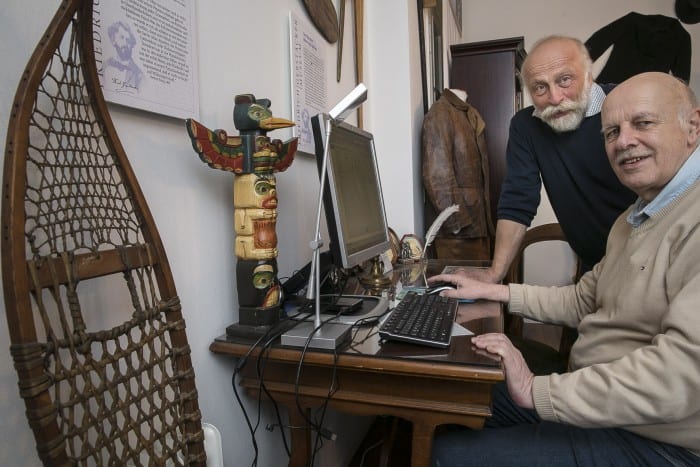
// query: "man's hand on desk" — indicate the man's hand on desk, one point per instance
point(518, 376)
point(469, 288)
point(480, 274)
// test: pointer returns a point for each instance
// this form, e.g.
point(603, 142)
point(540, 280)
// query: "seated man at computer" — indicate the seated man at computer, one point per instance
point(630, 396)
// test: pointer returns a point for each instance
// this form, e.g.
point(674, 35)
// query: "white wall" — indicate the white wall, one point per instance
point(243, 48)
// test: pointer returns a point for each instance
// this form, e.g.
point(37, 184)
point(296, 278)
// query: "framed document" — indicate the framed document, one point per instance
point(309, 86)
point(145, 55)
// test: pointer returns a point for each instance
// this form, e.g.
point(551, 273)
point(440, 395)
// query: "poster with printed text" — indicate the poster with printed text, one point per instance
point(309, 86)
point(145, 55)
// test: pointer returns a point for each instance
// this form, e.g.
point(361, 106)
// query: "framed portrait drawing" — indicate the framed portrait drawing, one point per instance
point(145, 64)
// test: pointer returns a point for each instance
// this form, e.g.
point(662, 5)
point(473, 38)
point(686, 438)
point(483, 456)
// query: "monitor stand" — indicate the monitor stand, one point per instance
point(329, 336)
point(336, 330)
point(370, 311)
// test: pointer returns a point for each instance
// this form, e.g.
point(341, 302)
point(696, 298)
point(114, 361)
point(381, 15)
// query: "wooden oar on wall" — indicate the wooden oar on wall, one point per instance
point(341, 29)
point(359, 43)
point(322, 14)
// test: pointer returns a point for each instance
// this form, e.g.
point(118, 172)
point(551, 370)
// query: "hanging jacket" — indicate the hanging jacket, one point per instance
point(641, 43)
point(455, 165)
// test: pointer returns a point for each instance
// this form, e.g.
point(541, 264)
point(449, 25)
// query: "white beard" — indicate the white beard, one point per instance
point(576, 111)
point(568, 122)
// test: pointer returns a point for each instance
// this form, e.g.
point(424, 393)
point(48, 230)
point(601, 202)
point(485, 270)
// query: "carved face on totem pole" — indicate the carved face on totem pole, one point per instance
point(255, 216)
point(262, 274)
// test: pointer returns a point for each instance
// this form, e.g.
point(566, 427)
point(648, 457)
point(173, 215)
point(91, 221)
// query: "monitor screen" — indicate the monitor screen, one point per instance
point(353, 200)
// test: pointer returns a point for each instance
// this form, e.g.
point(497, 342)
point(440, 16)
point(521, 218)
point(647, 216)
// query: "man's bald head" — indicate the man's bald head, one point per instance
point(651, 125)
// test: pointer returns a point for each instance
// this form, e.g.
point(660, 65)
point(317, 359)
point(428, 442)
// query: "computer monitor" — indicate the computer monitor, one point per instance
point(352, 198)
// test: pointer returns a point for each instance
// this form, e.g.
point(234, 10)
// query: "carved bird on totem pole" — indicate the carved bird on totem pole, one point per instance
point(250, 152)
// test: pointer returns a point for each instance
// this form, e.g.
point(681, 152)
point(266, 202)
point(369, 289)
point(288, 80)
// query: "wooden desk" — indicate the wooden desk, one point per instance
point(425, 386)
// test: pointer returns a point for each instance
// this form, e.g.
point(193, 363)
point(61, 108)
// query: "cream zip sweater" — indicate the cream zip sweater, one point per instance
point(636, 363)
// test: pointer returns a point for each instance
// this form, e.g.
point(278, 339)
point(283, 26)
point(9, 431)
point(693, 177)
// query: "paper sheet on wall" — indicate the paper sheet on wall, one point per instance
point(145, 54)
point(309, 84)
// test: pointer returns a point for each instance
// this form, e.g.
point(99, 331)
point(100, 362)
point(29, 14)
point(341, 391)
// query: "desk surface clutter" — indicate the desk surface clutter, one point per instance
point(427, 386)
point(367, 340)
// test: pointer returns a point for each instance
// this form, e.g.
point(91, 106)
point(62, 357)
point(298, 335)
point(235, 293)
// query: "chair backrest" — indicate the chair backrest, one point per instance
point(97, 333)
point(541, 233)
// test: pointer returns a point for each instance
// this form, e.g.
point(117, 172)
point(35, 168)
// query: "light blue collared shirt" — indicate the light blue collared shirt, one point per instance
point(684, 178)
point(595, 101)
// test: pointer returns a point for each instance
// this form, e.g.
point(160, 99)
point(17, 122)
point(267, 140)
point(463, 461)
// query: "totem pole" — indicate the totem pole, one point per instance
point(253, 158)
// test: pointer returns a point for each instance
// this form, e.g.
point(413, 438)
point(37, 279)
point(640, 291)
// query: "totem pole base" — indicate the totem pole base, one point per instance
point(257, 316)
point(246, 331)
point(256, 322)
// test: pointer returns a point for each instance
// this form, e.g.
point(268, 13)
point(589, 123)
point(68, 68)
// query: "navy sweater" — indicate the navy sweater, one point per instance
point(584, 192)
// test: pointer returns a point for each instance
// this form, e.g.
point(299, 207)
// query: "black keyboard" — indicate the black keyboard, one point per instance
point(421, 319)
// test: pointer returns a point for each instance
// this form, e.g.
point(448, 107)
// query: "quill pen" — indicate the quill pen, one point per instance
point(437, 223)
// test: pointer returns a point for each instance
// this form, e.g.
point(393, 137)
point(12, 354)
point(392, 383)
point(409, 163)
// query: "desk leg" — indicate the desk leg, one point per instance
point(422, 444)
point(301, 438)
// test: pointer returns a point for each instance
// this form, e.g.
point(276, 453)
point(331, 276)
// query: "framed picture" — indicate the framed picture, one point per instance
point(145, 64)
point(395, 246)
point(411, 249)
point(309, 87)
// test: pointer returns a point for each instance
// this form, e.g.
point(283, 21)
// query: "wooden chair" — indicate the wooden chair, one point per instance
point(514, 324)
point(97, 333)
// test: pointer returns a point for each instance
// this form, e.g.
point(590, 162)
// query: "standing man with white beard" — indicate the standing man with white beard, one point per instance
point(558, 142)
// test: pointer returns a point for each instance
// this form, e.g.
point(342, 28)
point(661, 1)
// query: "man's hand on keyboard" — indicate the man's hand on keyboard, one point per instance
point(469, 288)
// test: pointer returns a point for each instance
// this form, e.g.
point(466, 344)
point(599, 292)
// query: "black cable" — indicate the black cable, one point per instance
point(318, 444)
point(317, 426)
point(366, 322)
point(369, 448)
point(263, 358)
point(261, 384)
point(298, 375)
point(260, 372)
point(311, 423)
point(239, 366)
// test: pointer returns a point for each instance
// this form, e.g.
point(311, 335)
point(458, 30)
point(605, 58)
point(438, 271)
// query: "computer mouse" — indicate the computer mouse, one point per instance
point(437, 288)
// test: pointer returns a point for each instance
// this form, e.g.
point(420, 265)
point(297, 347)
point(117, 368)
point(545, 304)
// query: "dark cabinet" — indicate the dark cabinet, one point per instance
point(489, 72)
